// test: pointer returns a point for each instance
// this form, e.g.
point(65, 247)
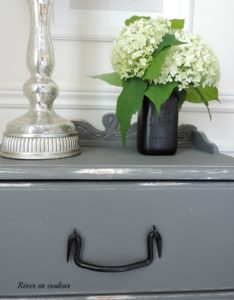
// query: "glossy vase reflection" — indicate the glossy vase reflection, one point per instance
point(157, 135)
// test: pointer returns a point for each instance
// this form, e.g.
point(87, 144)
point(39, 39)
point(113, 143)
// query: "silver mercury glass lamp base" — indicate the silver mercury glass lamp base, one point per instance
point(56, 139)
point(40, 133)
point(39, 155)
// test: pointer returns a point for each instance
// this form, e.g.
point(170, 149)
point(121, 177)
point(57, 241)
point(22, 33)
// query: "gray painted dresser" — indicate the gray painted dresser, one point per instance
point(113, 196)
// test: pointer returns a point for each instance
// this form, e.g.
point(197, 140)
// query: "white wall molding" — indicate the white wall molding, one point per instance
point(62, 33)
point(103, 100)
point(70, 25)
point(84, 100)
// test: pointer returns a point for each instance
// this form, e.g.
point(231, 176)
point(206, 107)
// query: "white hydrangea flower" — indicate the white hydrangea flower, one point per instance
point(193, 63)
point(134, 48)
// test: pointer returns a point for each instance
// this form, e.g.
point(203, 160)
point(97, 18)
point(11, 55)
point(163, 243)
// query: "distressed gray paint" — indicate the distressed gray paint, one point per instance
point(196, 221)
point(161, 296)
point(188, 135)
point(115, 162)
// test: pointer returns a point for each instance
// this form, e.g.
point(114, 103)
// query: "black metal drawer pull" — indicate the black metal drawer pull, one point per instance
point(75, 243)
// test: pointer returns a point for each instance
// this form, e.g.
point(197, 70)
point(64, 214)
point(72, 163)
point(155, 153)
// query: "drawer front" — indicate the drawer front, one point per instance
point(196, 222)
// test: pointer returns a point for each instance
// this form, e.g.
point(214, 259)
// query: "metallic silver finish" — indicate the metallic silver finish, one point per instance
point(40, 133)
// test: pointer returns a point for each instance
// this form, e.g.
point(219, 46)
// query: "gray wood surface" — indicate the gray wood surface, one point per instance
point(115, 162)
point(209, 295)
point(195, 220)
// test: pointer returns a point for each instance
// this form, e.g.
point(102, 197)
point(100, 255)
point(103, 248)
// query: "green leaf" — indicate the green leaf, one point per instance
point(193, 96)
point(168, 41)
point(208, 93)
point(202, 95)
point(134, 19)
point(129, 102)
point(111, 78)
point(159, 93)
point(177, 24)
point(154, 70)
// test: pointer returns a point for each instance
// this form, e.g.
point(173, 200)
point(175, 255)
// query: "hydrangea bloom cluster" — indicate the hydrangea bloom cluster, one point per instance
point(134, 48)
point(193, 63)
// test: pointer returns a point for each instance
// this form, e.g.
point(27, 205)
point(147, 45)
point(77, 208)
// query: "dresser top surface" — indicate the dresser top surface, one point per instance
point(122, 163)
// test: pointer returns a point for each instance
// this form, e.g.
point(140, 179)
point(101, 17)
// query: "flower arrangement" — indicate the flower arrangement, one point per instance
point(155, 58)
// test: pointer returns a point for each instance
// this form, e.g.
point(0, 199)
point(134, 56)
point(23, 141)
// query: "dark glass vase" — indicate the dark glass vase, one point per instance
point(157, 135)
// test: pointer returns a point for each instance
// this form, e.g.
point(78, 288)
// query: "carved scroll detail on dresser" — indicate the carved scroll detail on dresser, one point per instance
point(188, 136)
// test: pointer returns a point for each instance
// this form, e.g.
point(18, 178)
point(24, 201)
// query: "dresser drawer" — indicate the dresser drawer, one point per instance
point(196, 222)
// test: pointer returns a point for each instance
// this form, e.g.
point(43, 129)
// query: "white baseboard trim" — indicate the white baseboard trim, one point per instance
point(101, 100)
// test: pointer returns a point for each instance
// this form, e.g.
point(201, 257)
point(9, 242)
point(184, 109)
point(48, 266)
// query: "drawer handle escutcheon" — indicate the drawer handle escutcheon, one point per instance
point(75, 243)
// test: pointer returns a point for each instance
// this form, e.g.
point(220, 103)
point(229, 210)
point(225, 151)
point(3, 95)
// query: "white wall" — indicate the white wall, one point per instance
point(82, 97)
point(213, 19)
